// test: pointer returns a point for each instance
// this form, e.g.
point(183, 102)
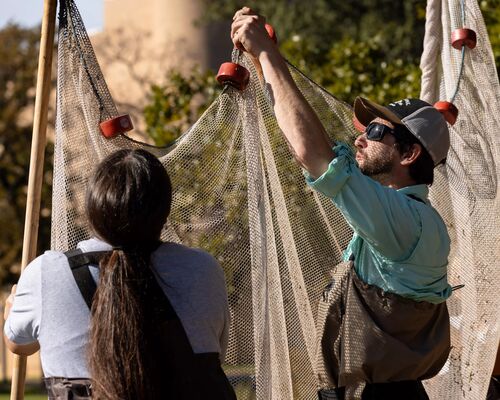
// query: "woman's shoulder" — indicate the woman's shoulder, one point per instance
point(54, 261)
point(49, 257)
point(49, 261)
point(172, 255)
point(178, 249)
point(85, 246)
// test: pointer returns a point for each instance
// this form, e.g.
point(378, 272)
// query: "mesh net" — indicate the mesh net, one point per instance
point(240, 196)
point(465, 193)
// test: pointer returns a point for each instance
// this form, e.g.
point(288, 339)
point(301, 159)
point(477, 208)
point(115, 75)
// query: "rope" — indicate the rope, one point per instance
point(462, 8)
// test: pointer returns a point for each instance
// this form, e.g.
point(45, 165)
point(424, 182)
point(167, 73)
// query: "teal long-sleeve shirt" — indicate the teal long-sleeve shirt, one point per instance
point(399, 244)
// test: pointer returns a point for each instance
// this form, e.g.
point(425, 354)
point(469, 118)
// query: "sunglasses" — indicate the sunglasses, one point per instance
point(376, 132)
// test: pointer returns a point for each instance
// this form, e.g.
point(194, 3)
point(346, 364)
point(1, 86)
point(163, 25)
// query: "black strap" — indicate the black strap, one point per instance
point(189, 375)
point(79, 263)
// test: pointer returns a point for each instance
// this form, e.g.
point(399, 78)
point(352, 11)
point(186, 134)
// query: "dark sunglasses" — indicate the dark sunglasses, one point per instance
point(376, 132)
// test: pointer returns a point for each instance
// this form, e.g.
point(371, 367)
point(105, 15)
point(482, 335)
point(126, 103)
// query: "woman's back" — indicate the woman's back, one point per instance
point(195, 285)
point(51, 309)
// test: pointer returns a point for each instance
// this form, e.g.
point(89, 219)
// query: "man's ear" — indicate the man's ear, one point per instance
point(410, 156)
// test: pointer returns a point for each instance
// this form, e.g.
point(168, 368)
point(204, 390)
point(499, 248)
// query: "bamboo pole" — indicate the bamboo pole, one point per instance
point(36, 166)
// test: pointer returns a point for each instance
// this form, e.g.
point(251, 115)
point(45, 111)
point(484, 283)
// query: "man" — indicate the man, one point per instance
point(387, 326)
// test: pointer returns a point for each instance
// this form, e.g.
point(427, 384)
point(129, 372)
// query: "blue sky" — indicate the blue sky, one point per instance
point(29, 12)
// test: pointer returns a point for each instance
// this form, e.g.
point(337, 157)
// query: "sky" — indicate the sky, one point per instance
point(29, 12)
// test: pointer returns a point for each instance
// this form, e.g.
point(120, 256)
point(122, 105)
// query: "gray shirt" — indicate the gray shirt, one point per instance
point(49, 307)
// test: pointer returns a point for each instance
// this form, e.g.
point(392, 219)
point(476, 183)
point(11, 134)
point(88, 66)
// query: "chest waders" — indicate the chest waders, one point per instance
point(370, 341)
point(184, 374)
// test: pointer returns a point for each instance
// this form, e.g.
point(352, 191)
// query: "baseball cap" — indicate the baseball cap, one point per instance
point(425, 122)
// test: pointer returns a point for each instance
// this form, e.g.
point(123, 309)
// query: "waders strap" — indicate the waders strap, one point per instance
point(79, 263)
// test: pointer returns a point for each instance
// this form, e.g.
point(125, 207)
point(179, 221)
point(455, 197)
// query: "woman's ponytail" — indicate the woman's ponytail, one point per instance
point(127, 205)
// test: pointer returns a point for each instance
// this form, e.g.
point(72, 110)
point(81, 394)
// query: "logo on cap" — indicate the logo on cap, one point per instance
point(404, 102)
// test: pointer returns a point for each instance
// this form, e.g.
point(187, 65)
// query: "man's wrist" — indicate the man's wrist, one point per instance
point(272, 57)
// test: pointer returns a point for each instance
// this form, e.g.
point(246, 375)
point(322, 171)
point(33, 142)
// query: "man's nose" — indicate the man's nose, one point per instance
point(360, 141)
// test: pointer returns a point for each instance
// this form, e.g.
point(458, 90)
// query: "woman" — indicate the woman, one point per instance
point(159, 318)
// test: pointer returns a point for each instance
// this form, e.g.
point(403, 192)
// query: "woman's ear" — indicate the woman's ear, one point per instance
point(411, 155)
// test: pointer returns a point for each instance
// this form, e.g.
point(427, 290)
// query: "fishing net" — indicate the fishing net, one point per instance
point(239, 195)
point(466, 194)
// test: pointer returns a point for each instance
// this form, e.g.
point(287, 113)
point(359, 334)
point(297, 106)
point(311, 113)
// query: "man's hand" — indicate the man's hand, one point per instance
point(249, 34)
point(9, 302)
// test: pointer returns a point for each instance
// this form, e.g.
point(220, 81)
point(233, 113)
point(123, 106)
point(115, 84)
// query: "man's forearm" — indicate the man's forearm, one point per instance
point(301, 126)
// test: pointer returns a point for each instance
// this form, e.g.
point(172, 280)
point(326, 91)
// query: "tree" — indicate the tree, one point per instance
point(397, 27)
point(491, 14)
point(353, 68)
point(18, 65)
point(177, 104)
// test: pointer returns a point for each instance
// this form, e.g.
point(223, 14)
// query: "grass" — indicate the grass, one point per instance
point(33, 391)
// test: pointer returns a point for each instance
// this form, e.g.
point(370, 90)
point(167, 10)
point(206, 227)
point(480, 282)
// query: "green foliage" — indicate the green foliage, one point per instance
point(491, 14)
point(368, 47)
point(322, 23)
point(372, 49)
point(360, 68)
point(177, 104)
point(18, 64)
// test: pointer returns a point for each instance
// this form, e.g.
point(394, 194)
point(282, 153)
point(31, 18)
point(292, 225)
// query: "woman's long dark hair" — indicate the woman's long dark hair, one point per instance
point(128, 201)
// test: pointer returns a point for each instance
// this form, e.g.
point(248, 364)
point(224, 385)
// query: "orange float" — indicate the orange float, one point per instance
point(449, 111)
point(233, 74)
point(463, 37)
point(271, 32)
point(115, 126)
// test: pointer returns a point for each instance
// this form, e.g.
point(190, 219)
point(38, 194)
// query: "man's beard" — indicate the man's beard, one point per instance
point(377, 168)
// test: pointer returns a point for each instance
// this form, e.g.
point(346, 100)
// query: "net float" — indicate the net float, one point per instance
point(115, 126)
point(271, 32)
point(449, 111)
point(463, 37)
point(233, 74)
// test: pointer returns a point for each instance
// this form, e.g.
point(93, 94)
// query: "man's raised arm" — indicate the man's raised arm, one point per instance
point(302, 128)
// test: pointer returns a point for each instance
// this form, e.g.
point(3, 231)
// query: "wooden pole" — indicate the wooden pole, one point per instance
point(43, 90)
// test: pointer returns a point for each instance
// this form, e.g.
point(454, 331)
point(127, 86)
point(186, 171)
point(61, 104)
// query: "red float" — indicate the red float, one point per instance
point(463, 37)
point(449, 111)
point(271, 32)
point(115, 126)
point(234, 75)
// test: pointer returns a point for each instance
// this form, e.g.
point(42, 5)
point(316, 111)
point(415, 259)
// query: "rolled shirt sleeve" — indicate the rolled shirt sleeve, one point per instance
point(23, 324)
point(399, 244)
